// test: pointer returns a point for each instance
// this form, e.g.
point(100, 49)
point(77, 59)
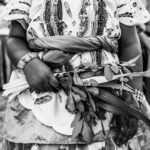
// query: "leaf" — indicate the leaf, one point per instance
point(94, 91)
point(92, 102)
point(87, 133)
point(85, 75)
point(77, 80)
point(80, 92)
point(86, 83)
point(76, 97)
point(115, 69)
point(99, 73)
point(80, 106)
point(93, 82)
point(70, 103)
point(115, 101)
point(131, 62)
point(126, 70)
point(76, 119)
point(108, 73)
point(77, 128)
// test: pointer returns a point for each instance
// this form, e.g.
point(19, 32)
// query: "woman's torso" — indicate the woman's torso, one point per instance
point(98, 18)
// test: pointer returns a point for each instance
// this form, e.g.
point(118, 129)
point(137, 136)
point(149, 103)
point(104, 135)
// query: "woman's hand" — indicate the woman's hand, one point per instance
point(40, 77)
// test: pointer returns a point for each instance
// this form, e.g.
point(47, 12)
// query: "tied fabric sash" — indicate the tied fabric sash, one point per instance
point(61, 48)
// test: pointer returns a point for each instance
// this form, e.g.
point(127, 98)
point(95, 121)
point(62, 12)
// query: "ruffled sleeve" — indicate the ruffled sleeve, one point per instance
point(18, 10)
point(131, 12)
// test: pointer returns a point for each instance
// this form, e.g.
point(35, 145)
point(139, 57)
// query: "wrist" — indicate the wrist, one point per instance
point(32, 65)
point(27, 58)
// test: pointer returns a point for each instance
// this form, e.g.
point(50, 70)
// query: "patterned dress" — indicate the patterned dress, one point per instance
point(81, 18)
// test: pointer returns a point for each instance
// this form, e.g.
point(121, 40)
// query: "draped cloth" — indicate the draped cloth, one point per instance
point(70, 46)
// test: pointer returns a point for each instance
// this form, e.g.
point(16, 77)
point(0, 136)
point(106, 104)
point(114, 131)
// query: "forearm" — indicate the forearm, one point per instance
point(131, 52)
point(17, 48)
point(129, 48)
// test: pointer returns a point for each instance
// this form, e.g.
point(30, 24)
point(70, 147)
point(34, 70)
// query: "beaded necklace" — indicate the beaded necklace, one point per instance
point(53, 17)
point(84, 21)
point(47, 17)
point(100, 23)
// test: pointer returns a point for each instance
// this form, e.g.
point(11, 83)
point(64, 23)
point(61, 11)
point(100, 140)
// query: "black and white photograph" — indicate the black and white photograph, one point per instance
point(74, 74)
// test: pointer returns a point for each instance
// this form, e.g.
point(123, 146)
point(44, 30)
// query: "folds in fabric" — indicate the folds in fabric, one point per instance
point(73, 44)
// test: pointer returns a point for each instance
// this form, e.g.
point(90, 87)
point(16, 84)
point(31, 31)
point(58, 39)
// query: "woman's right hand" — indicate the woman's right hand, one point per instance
point(40, 77)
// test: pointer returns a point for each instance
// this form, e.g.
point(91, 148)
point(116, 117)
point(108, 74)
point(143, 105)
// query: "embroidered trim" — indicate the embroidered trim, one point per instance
point(21, 2)
point(53, 17)
point(43, 100)
point(121, 6)
point(102, 16)
point(59, 16)
point(84, 21)
point(18, 11)
point(47, 16)
point(127, 14)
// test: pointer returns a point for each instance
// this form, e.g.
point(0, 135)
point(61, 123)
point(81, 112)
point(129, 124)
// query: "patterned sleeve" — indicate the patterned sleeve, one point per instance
point(131, 12)
point(18, 10)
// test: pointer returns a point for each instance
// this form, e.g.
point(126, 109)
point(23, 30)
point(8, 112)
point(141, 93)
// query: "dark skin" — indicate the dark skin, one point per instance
point(39, 75)
point(129, 47)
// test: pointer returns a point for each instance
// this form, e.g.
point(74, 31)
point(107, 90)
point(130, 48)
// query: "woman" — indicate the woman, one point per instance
point(63, 49)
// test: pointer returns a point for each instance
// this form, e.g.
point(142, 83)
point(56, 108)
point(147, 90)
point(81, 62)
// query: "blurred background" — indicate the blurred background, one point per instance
point(5, 64)
point(6, 67)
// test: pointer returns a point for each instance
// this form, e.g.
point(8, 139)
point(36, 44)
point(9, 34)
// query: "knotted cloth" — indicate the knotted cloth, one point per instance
point(62, 48)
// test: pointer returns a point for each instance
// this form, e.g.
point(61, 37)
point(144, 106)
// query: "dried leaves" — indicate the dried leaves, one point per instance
point(94, 91)
point(76, 119)
point(77, 128)
point(87, 133)
point(83, 94)
point(81, 129)
point(80, 92)
point(115, 69)
point(70, 104)
point(108, 72)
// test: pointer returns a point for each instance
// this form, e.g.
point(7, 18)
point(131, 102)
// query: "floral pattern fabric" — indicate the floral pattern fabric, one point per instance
point(131, 11)
point(128, 12)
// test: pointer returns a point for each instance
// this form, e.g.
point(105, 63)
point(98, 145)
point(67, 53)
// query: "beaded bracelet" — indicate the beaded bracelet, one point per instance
point(25, 59)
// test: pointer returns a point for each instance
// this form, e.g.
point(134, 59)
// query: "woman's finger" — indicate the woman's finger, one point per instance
point(54, 82)
point(47, 86)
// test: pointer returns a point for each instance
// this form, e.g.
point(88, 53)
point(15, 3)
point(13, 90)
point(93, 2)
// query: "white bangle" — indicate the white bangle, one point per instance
point(26, 58)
